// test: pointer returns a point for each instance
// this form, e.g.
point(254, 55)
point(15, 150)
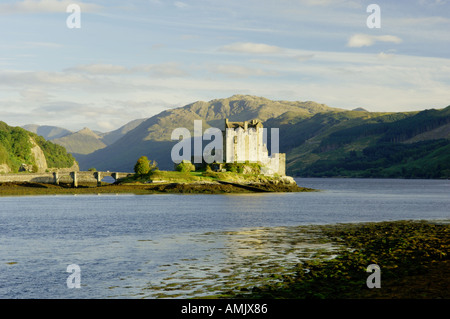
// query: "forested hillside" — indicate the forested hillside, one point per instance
point(16, 148)
point(409, 145)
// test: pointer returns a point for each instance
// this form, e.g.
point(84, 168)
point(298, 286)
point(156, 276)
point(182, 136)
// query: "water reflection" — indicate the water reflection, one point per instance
point(240, 260)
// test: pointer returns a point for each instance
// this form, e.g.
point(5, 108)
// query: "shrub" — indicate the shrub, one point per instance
point(185, 166)
point(247, 168)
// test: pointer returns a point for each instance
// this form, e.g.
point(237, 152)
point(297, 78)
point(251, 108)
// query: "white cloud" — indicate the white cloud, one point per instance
point(44, 6)
point(251, 48)
point(422, 21)
point(155, 2)
point(379, 82)
point(240, 47)
point(34, 95)
point(433, 2)
point(386, 55)
point(263, 61)
point(180, 5)
point(30, 46)
point(303, 57)
point(22, 78)
point(169, 69)
point(240, 71)
point(323, 3)
point(361, 40)
point(99, 69)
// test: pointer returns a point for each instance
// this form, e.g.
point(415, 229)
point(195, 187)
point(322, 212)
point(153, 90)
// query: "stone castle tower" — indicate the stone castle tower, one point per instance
point(244, 141)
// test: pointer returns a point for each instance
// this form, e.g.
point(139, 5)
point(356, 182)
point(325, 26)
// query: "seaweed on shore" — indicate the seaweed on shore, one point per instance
point(27, 188)
point(412, 255)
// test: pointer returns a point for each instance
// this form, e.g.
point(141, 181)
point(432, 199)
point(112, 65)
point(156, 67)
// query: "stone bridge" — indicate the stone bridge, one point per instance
point(74, 178)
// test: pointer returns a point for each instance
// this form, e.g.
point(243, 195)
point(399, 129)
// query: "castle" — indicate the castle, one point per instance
point(244, 141)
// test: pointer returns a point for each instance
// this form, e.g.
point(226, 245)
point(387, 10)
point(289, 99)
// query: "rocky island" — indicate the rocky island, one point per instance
point(162, 182)
point(148, 179)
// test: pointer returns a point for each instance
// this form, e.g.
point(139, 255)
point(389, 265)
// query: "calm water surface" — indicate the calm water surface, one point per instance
point(125, 244)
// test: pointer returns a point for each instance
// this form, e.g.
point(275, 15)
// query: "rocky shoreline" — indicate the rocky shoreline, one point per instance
point(27, 188)
point(316, 262)
point(412, 255)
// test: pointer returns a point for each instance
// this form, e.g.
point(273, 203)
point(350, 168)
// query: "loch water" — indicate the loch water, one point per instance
point(127, 244)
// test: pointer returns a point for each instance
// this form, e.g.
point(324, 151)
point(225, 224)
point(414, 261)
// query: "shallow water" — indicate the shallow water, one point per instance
point(130, 246)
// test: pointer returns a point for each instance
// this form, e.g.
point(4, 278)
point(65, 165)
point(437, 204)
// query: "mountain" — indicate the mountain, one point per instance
point(360, 109)
point(47, 132)
point(319, 140)
point(82, 142)
point(152, 137)
point(111, 137)
point(23, 150)
point(365, 144)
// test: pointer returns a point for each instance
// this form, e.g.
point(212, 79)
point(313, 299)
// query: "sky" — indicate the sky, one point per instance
point(123, 60)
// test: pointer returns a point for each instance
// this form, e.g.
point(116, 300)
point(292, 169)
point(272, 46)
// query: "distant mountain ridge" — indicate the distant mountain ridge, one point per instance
point(84, 141)
point(111, 137)
point(319, 140)
point(46, 131)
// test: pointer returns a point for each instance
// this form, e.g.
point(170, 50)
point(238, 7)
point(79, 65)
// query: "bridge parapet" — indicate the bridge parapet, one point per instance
point(74, 178)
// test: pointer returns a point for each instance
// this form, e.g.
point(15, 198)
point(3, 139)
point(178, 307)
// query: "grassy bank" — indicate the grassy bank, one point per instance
point(412, 255)
point(204, 176)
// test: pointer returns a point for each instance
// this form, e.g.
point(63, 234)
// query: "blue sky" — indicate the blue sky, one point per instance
point(137, 58)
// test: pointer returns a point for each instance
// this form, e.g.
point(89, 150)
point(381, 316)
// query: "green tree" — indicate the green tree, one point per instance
point(143, 166)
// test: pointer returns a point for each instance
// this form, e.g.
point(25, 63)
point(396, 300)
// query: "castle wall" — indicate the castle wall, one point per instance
point(243, 145)
point(275, 164)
